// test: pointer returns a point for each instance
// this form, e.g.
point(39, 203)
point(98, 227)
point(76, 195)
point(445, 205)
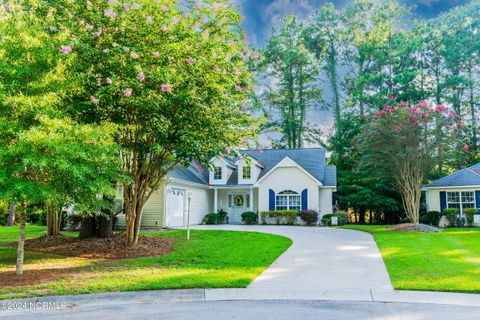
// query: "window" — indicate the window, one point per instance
point(461, 200)
point(217, 173)
point(247, 173)
point(287, 200)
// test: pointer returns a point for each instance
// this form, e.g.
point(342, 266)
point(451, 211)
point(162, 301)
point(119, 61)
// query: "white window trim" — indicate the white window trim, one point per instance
point(215, 177)
point(461, 200)
point(249, 173)
point(288, 196)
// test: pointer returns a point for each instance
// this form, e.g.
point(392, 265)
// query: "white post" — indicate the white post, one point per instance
point(215, 200)
point(188, 215)
point(251, 199)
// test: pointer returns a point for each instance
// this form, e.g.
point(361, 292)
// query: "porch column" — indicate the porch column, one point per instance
point(251, 199)
point(215, 200)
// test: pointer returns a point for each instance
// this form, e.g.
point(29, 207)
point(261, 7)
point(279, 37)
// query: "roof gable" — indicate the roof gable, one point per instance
point(464, 177)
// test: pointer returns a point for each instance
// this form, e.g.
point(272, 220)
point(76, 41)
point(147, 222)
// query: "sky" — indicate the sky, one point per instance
point(259, 16)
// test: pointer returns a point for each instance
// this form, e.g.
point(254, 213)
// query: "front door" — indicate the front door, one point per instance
point(237, 205)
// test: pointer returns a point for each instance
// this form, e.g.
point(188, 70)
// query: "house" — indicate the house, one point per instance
point(460, 190)
point(276, 179)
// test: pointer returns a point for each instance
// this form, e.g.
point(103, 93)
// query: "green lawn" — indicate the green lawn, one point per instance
point(211, 259)
point(443, 261)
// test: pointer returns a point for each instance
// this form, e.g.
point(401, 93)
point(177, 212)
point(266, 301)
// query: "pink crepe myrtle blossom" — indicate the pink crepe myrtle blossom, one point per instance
point(94, 100)
point(166, 88)
point(126, 7)
point(149, 20)
point(391, 99)
point(190, 61)
point(89, 26)
point(133, 55)
point(81, 22)
point(114, 44)
point(466, 148)
point(65, 49)
point(140, 76)
point(422, 104)
point(97, 33)
point(165, 9)
point(238, 87)
point(410, 118)
point(135, 6)
point(164, 27)
point(126, 49)
point(397, 129)
point(156, 54)
point(174, 20)
point(112, 2)
point(108, 80)
point(109, 13)
point(106, 50)
point(127, 92)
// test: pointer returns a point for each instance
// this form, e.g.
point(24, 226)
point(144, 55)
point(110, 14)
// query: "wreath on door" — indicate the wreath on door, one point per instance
point(238, 200)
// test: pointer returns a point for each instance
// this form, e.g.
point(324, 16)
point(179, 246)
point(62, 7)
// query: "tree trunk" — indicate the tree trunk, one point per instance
point(11, 216)
point(21, 241)
point(88, 227)
point(105, 226)
point(362, 216)
point(53, 221)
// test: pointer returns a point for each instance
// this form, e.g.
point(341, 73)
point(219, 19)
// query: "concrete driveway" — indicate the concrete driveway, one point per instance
point(338, 260)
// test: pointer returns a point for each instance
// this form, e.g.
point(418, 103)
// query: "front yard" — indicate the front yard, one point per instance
point(211, 259)
point(443, 261)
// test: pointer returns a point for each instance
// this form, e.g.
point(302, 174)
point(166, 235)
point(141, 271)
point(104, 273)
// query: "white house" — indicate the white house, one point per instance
point(460, 190)
point(275, 179)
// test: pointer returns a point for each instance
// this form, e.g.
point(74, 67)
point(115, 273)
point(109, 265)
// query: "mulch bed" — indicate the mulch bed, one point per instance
point(410, 227)
point(97, 248)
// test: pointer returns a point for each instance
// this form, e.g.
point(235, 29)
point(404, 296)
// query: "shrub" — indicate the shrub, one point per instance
point(212, 218)
point(327, 219)
point(223, 216)
point(309, 216)
point(469, 214)
point(280, 216)
point(4, 212)
point(342, 214)
point(74, 221)
point(451, 215)
point(431, 217)
point(249, 217)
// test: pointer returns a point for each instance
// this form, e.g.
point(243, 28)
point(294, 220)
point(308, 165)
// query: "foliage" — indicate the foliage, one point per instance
point(431, 217)
point(223, 215)
point(451, 214)
point(4, 212)
point(469, 215)
point(310, 217)
point(327, 219)
point(173, 78)
point(402, 141)
point(249, 217)
point(212, 218)
point(295, 91)
point(281, 216)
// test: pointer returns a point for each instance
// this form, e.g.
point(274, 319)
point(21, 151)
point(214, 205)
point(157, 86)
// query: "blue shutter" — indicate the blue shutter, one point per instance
point(271, 200)
point(304, 199)
point(443, 201)
point(477, 199)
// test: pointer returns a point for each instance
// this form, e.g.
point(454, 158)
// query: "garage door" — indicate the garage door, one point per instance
point(176, 203)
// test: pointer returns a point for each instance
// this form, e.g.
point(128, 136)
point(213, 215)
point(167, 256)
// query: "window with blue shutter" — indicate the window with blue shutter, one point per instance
point(304, 199)
point(443, 201)
point(271, 200)
point(477, 199)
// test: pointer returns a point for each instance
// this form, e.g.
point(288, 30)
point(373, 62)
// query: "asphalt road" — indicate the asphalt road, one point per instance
point(264, 310)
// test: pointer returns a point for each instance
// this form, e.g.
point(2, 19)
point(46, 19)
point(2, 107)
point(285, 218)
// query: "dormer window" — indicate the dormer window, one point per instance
point(217, 173)
point(247, 173)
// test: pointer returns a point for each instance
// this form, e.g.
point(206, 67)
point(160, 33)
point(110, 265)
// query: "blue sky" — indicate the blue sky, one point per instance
point(260, 15)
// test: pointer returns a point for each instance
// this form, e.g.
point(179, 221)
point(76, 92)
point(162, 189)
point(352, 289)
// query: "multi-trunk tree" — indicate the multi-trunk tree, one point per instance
point(171, 75)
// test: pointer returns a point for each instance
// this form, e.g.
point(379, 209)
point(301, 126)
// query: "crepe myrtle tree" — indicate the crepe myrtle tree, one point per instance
point(173, 75)
point(403, 141)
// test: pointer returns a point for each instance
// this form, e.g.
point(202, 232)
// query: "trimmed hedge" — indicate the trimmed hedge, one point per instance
point(281, 216)
point(469, 213)
point(310, 217)
point(212, 218)
point(451, 215)
point(249, 217)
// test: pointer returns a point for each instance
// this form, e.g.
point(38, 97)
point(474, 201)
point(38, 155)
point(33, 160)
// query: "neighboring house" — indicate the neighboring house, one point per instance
point(460, 190)
point(277, 179)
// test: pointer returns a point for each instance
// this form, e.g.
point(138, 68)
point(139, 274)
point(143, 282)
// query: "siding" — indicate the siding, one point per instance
point(152, 215)
point(201, 202)
point(325, 200)
point(288, 178)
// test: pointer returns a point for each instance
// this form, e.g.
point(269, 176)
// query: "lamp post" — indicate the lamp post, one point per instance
point(189, 197)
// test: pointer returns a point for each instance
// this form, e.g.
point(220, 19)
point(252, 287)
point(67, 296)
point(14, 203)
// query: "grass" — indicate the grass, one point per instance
point(443, 261)
point(211, 259)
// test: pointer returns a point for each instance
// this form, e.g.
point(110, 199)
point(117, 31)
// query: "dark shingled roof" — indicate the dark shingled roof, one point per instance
point(465, 177)
point(311, 159)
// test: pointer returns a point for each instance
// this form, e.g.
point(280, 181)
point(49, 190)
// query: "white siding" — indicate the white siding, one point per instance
point(288, 178)
point(226, 172)
point(325, 200)
point(201, 202)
